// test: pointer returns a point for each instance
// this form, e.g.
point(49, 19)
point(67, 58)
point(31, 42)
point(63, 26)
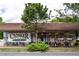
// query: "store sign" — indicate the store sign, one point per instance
point(18, 35)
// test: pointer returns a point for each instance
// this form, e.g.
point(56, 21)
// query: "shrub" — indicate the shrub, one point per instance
point(38, 46)
point(77, 43)
point(1, 35)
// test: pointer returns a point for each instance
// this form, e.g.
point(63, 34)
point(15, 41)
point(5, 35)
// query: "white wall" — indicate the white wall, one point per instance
point(5, 36)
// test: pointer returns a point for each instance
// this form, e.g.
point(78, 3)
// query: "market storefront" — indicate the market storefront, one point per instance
point(55, 39)
point(56, 35)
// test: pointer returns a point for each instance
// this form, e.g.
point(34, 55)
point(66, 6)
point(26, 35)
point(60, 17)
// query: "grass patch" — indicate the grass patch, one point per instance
point(51, 49)
point(63, 49)
point(13, 49)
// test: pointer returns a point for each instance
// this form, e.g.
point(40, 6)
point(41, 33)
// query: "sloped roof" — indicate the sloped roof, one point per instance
point(46, 26)
point(11, 27)
point(62, 26)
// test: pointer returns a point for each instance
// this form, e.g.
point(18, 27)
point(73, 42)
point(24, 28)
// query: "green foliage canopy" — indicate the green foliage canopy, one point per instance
point(33, 14)
point(75, 10)
point(66, 19)
point(0, 19)
point(1, 33)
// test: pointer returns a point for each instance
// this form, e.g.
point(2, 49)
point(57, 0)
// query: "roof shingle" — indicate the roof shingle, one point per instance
point(47, 26)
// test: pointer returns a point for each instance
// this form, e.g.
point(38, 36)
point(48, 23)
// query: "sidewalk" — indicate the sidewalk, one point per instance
point(39, 54)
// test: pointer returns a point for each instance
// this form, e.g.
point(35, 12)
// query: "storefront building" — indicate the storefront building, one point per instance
point(55, 34)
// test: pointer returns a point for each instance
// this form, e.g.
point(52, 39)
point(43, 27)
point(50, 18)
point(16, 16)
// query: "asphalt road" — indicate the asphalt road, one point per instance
point(39, 53)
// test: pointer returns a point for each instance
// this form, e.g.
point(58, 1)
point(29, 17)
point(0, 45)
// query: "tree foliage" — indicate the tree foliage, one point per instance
point(66, 19)
point(75, 10)
point(0, 19)
point(34, 11)
point(33, 14)
point(73, 6)
point(1, 33)
point(64, 16)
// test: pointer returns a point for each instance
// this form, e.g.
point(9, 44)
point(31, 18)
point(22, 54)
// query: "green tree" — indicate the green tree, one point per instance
point(66, 19)
point(75, 10)
point(33, 14)
point(1, 33)
point(0, 19)
point(64, 16)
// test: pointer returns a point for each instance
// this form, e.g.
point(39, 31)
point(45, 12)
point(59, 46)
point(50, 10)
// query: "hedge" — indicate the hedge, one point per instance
point(1, 35)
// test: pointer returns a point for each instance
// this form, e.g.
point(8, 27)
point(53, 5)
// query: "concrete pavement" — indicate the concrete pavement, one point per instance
point(39, 53)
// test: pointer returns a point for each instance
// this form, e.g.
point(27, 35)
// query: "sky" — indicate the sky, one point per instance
point(11, 10)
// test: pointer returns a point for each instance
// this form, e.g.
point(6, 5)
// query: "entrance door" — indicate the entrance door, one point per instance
point(41, 39)
point(44, 39)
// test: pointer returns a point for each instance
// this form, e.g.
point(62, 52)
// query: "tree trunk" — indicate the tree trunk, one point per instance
point(36, 34)
point(36, 31)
